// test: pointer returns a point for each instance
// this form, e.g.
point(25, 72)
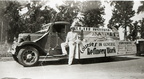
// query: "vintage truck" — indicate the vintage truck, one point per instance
point(93, 42)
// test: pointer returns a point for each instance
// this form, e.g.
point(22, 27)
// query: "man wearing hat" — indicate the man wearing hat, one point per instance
point(71, 38)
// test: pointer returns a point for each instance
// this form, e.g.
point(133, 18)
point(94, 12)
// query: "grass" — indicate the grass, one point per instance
point(3, 50)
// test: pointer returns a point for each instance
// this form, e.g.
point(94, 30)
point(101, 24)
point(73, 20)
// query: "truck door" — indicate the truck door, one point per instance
point(56, 37)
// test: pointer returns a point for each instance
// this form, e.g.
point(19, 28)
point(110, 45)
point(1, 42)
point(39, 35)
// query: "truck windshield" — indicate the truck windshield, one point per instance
point(59, 28)
point(44, 28)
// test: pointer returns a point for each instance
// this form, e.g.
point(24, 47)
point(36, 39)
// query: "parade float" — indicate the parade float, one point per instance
point(92, 42)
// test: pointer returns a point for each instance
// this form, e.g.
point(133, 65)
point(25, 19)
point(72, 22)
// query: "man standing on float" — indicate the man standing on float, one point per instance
point(71, 38)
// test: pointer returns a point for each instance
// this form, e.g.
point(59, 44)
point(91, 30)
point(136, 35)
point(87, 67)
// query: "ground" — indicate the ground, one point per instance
point(121, 67)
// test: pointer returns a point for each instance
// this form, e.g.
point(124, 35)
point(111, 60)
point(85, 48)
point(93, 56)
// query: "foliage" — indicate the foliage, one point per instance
point(30, 22)
point(141, 29)
point(3, 22)
point(91, 10)
point(13, 19)
point(121, 15)
point(134, 31)
point(35, 17)
point(141, 8)
point(137, 27)
point(93, 14)
point(68, 11)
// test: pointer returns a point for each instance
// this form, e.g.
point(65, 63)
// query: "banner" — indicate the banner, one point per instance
point(126, 47)
point(91, 48)
point(97, 42)
point(98, 33)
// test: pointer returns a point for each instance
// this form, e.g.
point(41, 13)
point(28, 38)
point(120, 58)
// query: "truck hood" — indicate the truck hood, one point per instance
point(28, 36)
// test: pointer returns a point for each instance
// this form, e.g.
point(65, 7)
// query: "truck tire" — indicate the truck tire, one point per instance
point(28, 56)
point(15, 58)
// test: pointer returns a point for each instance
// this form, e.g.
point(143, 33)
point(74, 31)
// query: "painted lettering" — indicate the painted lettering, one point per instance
point(89, 45)
point(95, 51)
point(103, 34)
point(111, 50)
point(100, 44)
point(108, 44)
point(125, 42)
point(93, 29)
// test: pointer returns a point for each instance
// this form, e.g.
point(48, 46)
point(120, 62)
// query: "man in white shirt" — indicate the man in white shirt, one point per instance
point(71, 42)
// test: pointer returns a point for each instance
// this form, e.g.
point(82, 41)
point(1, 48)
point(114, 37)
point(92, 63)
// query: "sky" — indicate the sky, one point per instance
point(137, 16)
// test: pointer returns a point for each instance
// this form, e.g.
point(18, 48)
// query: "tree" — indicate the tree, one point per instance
point(32, 20)
point(141, 28)
point(121, 15)
point(35, 17)
point(141, 8)
point(18, 23)
point(135, 28)
point(3, 22)
point(93, 12)
point(12, 16)
point(67, 12)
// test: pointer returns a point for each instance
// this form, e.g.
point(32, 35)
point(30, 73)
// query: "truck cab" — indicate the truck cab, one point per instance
point(30, 46)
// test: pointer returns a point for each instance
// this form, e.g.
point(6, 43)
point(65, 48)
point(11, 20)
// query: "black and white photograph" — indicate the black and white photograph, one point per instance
point(71, 39)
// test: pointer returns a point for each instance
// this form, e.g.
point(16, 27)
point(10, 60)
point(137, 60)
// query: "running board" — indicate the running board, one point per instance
point(54, 57)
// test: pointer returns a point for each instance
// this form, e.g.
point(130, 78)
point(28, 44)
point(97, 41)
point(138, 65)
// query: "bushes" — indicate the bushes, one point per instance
point(3, 50)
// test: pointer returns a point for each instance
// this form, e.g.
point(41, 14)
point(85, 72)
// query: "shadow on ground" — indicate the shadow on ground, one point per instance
point(87, 60)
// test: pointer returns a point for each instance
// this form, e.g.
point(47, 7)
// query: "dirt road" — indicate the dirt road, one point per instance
point(122, 67)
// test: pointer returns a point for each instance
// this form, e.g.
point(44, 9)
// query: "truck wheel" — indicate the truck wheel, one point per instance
point(15, 58)
point(28, 56)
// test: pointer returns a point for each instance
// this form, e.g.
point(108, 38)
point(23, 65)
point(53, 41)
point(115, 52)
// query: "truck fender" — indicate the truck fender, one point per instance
point(30, 43)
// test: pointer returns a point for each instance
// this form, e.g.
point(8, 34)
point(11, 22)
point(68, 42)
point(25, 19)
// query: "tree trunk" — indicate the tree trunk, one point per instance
point(125, 33)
